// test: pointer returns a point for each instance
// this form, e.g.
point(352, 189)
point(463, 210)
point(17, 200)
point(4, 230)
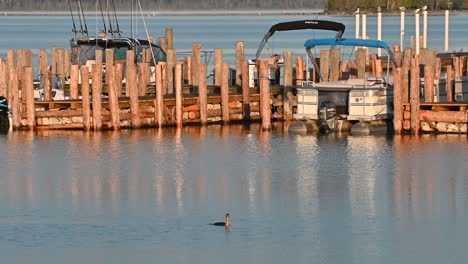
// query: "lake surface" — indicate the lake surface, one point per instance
point(221, 32)
point(148, 196)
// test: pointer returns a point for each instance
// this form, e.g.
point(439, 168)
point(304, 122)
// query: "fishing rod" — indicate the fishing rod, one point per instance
point(84, 19)
point(116, 21)
point(103, 20)
point(73, 18)
point(108, 18)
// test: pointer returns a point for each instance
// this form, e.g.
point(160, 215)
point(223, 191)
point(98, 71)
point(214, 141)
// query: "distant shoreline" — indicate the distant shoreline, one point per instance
point(289, 12)
point(292, 12)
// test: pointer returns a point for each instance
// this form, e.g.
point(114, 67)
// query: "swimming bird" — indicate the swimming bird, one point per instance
point(226, 224)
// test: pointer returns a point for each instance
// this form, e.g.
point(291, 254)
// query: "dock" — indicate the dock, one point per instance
point(428, 92)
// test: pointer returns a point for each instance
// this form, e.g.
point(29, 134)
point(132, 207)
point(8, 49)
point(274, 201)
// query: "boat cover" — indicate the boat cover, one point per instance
point(311, 43)
point(299, 25)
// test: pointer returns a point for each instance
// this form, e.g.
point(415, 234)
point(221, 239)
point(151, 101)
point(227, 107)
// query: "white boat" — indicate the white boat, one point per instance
point(330, 103)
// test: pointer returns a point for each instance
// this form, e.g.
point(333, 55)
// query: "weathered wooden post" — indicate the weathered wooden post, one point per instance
point(159, 102)
point(178, 94)
point(225, 92)
point(334, 64)
point(14, 98)
point(132, 89)
point(130, 59)
point(288, 83)
point(74, 77)
point(449, 84)
point(171, 62)
point(143, 77)
point(299, 70)
point(245, 92)
point(163, 43)
point(414, 99)
point(196, 60)
point(188, 70)
point(324, 64)
point(42, 60)
point(85, 98)
point(361, 63)
point(265, 107)
point(48, 83)
point(113, 99)
point(11, 58)
point(218, 65)
point(97, 91)
point(109, 62)
point(29, 94)
point(429, 84)
point(169, 38)
point(202, 94)
point(118, 71)
point(397, 101)
point(239, 61)
point(405, 78)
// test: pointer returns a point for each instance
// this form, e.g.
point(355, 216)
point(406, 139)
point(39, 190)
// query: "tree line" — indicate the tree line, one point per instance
point(390, 5)
point(126, 5)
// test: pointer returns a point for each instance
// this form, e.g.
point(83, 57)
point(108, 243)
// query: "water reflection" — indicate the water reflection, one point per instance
point(337, 197)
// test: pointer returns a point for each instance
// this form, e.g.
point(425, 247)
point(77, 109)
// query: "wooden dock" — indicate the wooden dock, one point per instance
point(122, 94)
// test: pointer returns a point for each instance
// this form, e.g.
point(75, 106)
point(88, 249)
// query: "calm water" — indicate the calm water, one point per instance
point(148, 196)
point(222, 32)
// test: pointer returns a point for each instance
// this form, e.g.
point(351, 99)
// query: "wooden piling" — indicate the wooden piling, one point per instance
point(225, 92)
point(265, 106)
point(245, 92)
point(171, 61)
point(429, 84)
point(196, 60)
point(29, 94)
point(407, 56)
point(66, 63)
point(169, 38)
point(14, 97)
point(159, 102)
point(397, 101)
point(414, 99)
point(97, 91)
point(85, 98)
point(324, 65)
point(118, 70)
point(132, 89)
point(188, 70)
point(109, 62)
point(218, 65)
point(449, 84)
point(361, 55)
point(334, 64)
point(74, 77)
point(98, 56)
point(11, 58)
point(288, 83)
point(130, 59)
point(405, 80)
point(163, 43)
point(48, 83)
point(178, 94)
point(202, 94)
point(143, 78)
point(113, 99)
point(299, 70)
point(42, 60)
point(239, 61)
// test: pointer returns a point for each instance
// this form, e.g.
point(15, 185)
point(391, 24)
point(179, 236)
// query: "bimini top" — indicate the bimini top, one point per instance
point(299, 25)
point(311, 43)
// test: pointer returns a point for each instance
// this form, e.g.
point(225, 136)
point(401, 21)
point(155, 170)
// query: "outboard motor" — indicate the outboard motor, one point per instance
point(327, 117)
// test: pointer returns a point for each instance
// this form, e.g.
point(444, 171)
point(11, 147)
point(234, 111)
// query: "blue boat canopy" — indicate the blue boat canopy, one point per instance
point(311, 43)
point(346, 42)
